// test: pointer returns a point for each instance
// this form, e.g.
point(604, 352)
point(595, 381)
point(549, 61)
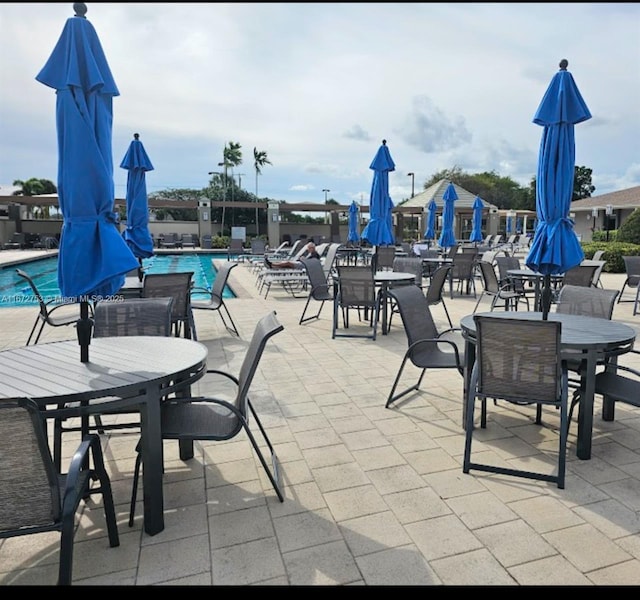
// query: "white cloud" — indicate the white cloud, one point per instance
point(318, 86)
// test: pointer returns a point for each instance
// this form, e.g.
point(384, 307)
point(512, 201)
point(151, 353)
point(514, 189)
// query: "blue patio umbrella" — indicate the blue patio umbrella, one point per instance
point(137, 234)
point(430, 232)
point(476, 230)
point(555, 247)
point(93, 257)
point(354, 226)
point(508, 225)
point(519, 225)
point(447, 238)
point(378, 231)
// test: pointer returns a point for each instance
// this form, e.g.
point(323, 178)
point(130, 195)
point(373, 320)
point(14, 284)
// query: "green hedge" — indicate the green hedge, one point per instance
point(613, 253)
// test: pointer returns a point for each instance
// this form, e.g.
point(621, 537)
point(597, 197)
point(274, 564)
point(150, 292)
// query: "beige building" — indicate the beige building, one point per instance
point(604, 212)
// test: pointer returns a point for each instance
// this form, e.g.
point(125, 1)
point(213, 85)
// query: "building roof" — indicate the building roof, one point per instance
point(465, 199)
point(629, 198)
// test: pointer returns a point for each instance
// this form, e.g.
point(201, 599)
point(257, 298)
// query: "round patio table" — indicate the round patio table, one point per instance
point(589, 335)
point(134, 371)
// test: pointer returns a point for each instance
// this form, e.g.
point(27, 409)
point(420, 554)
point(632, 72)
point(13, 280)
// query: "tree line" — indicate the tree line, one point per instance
point(503, 192)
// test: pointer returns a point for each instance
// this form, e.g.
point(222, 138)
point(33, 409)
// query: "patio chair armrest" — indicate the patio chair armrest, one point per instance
point(626, 368)
point(450, 330)
point(200, 290)
point(53, 305)
point(224, 374)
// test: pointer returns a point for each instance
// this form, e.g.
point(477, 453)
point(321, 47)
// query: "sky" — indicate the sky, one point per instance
point(318, 86)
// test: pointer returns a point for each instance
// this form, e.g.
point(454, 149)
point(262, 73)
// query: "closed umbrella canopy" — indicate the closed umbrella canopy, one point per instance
point(555, 247)
point(93, 256)
point(476, 230)
point(354, 227)
point(447, 238)
point(430, 232)
point(378, 231)
point(137, 233)
point(508, 226)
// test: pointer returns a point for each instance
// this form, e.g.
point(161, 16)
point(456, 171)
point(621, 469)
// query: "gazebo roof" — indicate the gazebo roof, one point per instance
point(465, 199)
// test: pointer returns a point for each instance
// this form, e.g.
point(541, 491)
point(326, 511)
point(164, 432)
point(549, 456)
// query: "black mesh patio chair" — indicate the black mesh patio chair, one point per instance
point(510, 298)
point(133, 316)
point(17, 242)
point(429, 268)
point(34, 496)
point(435, 291)
point(176, 286)
point(215, 418)
point(517, 361)
point(188, 240)
point(619, 384)
point(427, 347)
point(215, 300)
point(319, 288)
point(632, 280)
point(409, 264)
point(382, 259)
point(451, 252)
point(589, 302)
point(356, 290)
point(168, 240)
point(582, 275)
point(463, 272)
point(505, 264)
point(68, 316)
point(235, 249)
point(258, 247)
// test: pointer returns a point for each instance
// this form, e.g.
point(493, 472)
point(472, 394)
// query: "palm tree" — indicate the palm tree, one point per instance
point(259, 160)
point(35, 187)
point(231, 157)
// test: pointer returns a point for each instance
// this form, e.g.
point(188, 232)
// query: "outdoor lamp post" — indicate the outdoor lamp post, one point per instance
point(413, 178)
point(609, 212)
point(511, 215)
point(325, 195)
point(224, 192)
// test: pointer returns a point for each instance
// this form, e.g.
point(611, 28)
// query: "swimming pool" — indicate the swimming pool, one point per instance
point(14, 291)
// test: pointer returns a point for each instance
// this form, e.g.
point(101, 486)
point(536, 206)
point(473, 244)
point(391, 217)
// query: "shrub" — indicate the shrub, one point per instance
point(629, 231)
point(614, 251)
point(601, 235)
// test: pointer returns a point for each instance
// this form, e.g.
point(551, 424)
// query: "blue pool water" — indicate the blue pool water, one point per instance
point(14, 291)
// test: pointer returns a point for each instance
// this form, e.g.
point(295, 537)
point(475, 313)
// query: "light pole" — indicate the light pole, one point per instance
point(511, 226)
point(609, 212)
point(413, 178)
point(326, 215)
point(224, 192)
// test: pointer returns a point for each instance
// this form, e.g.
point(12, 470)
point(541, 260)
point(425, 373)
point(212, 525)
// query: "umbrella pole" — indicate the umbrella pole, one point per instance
point(546, 296)
point(140, 269)
point(83, 328)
